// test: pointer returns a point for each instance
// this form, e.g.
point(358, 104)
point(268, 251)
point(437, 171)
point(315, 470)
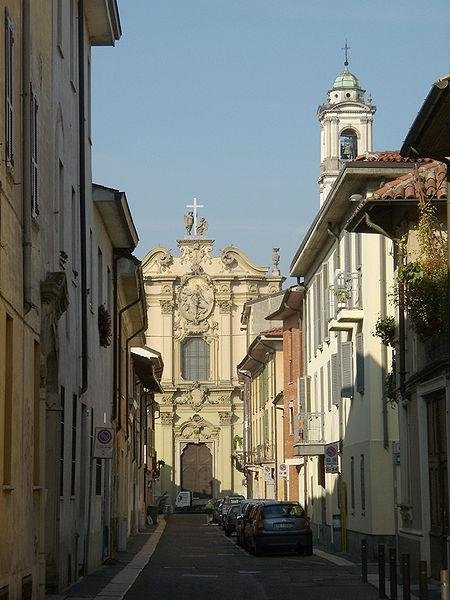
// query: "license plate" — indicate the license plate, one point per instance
point(282, 525)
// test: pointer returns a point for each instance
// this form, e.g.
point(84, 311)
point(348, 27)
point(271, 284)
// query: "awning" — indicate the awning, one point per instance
point(148, 365)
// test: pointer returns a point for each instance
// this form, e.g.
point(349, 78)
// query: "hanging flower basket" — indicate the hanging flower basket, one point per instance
point(104, 326)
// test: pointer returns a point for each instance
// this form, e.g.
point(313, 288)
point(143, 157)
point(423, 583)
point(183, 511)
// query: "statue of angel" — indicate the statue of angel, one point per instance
point(189, 221)
point(202, 226)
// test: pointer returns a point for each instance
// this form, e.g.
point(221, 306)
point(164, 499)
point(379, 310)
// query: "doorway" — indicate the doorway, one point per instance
point(196, 470)
point(438, 486)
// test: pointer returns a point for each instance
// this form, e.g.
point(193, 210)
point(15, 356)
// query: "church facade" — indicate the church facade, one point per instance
point(195, 301)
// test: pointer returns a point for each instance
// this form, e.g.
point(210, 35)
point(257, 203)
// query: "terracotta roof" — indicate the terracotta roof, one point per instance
point(388, 156)
point(276, 331)
point(433, 175)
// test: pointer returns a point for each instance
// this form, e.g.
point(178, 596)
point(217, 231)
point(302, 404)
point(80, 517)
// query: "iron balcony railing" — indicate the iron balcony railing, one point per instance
point(309, 428)
point(346, 291)
point(262, 453)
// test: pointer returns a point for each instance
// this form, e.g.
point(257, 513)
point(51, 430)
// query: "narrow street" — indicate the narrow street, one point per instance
point(193, 560)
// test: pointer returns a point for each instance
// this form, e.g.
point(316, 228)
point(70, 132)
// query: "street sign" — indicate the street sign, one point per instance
point(282, 470)
point(267, 471)
point(396, 453)
point(332, 458)
point(103, 442)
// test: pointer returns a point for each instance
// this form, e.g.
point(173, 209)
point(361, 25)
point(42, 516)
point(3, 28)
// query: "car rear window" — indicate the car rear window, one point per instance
point(283, 510)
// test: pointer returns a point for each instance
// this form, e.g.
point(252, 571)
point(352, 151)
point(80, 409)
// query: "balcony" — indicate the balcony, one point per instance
point(345, 300)
point(433, 351)
point(309, 434)
point(261, 454)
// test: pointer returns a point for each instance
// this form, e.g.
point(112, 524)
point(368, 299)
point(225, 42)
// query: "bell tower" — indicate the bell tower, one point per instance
point(345, 126)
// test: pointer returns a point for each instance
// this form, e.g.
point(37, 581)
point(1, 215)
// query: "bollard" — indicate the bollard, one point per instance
point(393, 572)
point(445, 585)
point(381, 572)
point(406, 581)
point(364, 561)
point(423, 580)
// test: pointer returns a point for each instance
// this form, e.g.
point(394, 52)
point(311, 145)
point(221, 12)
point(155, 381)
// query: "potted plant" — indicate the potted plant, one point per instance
point(385, 330)
point(104, 326)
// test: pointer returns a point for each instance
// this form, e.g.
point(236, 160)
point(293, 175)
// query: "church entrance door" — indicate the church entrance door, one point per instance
point(196, 470)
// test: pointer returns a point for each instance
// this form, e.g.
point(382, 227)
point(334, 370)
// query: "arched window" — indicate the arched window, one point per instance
point(195, 359)
point(348, 145)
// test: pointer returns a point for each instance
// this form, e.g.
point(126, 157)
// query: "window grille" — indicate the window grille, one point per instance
point(195, 359)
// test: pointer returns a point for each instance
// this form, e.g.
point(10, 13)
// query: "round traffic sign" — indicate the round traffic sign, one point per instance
point(104, 436)
point(331, 451)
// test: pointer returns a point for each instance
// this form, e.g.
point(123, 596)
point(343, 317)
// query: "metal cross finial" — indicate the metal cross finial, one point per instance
point(195, 206)
point(346, 48)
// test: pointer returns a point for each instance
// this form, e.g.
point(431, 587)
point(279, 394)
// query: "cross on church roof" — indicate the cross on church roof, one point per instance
point(346, 48)
point(195, 206)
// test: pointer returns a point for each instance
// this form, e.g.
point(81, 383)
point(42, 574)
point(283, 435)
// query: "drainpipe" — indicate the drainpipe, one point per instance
point(121, 313)
point(82, 173)
point(26, 187)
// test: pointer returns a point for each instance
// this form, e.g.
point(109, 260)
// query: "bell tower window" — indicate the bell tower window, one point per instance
point(348, 145)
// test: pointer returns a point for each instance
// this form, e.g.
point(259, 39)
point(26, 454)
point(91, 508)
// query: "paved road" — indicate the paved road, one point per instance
point(197, 562)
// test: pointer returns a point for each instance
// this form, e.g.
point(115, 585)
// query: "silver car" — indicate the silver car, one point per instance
point(278, 525)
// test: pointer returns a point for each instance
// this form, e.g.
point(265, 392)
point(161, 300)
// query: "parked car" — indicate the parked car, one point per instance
point(229, 520)
point(278, 525)
point(227, 502)
point(216, 512)
point(244, 510)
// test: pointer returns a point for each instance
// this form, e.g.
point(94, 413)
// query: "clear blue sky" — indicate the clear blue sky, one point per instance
point(217, 99)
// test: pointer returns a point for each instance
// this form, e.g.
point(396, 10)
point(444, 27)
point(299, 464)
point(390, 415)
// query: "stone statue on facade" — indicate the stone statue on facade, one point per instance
point(276, 261)
point(202, 226)
point(189, 221)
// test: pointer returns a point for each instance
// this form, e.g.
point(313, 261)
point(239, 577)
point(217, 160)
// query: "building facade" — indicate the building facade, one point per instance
point(194, 302)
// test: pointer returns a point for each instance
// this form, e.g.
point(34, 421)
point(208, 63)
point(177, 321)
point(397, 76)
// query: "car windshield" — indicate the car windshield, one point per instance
point(283, 510)
point(234, 510)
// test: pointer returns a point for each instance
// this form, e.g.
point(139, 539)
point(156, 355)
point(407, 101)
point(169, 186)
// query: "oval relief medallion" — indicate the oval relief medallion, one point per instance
point(196, 299)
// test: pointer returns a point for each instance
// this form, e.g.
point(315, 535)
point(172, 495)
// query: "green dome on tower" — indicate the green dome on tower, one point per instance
point(346, 80)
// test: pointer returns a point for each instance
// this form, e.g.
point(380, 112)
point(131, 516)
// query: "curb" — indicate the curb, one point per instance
point(122, 582)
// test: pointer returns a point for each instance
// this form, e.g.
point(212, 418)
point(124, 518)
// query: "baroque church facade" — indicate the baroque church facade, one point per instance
point(195, 301)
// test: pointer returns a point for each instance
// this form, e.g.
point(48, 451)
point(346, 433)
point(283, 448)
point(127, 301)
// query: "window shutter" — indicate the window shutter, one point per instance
point(329, 391)
point(359, 363)
point(34, 153)
point(322, 392)
point(315, 307)
point(301, 394)
point(347, 370)
point(319, 308)
point(325, 301)
point(9, 42)
point(335, 379)
point(347, 253)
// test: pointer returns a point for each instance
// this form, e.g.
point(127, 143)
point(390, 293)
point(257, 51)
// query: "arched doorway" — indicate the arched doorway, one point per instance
point(196, 470)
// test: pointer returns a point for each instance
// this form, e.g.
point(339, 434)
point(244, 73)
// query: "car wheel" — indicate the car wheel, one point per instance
point(227, 532)
point(308, 551)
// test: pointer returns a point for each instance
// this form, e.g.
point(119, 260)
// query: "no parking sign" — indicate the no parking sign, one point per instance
point(103, 442)
point(331, 458)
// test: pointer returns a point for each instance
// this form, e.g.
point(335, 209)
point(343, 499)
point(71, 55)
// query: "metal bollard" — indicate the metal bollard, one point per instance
point(364, 561)
point(423, 580)
point(406, 581)
point(393, 572)
point(445, 585)
point(381, 572)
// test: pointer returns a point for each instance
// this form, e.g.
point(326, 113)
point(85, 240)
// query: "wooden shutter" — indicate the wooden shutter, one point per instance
point(302, 394)
point(335, 379)
point(329, 390)
point(347, 253)
point(359, 363)
point(319, 309)
point(347, 370)
point(325, 301)
point(322, 392)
